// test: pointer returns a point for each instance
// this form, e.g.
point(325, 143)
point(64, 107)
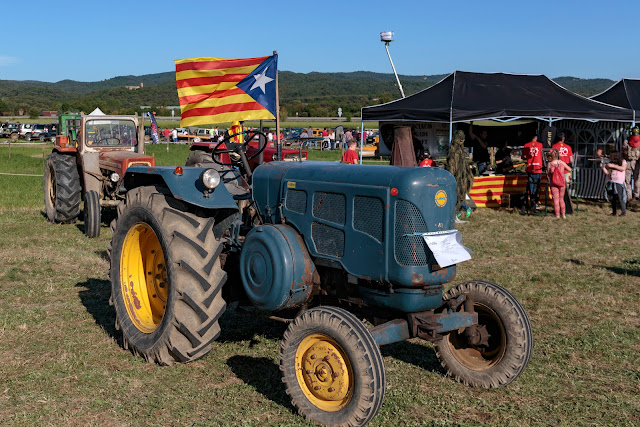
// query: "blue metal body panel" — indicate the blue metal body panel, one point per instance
point(187, 187)
point(431, 192)
point(276, 269)
point(406, 300)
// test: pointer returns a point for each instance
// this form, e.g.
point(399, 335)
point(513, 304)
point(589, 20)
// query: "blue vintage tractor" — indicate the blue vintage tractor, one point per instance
point(320, 245)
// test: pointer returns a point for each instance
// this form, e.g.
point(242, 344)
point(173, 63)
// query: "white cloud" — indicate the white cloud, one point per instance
point(7, 60)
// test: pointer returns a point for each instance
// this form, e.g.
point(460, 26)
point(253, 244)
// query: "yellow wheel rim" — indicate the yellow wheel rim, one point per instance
point(324, 372)
point(52, 187)
point(143, 277)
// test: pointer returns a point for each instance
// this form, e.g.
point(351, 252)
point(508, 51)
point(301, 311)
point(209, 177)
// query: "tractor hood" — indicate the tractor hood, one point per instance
point(370, 219)
point(120, 161)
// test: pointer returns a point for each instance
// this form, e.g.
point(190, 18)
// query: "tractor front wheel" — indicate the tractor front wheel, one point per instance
point(332, 367)
point(91, 214)
point(503, 341)
point(166, 277)
point(62, 191)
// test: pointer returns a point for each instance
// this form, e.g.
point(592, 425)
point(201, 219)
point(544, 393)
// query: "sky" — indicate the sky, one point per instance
point(93, 41)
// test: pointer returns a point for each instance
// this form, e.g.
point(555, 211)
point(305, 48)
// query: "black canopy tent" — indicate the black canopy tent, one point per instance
point(625, 93)
point(499, 97)
point(464, 96)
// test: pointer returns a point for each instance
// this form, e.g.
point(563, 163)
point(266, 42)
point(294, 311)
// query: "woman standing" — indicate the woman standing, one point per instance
point(555, 174)
point(616, 191)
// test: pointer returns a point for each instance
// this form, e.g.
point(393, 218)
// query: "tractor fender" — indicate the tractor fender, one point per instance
point(186, 186)
point(91, 173)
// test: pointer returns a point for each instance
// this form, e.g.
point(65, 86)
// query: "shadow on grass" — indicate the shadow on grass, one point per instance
point(633, 268)
point(94, 295)
point(240, 326)
point(264, 376)
point(418, 355)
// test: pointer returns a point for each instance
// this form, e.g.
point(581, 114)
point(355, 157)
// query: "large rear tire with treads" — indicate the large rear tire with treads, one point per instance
point(166, 278)
point(62, 190)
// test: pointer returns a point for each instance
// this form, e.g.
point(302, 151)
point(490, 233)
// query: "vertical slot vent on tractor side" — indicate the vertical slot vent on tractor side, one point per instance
point(328, 240)
point(330, 207)
point(368, 216)
point(410, 250)
point(296, 201)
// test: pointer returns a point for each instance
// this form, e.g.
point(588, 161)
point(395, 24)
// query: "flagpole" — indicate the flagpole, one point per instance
point(278, 143)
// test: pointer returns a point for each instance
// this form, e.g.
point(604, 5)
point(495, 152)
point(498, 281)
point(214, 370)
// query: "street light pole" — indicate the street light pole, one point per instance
point(387, 37)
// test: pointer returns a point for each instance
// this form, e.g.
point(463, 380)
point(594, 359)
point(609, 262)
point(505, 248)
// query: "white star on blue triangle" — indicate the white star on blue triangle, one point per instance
point(260, 84)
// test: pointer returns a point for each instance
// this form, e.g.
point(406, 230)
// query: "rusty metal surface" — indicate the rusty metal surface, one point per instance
point(390, 332)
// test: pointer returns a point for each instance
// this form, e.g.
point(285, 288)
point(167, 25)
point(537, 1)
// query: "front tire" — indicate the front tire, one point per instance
point(62, 191)
point(332, 367)
point(508, 348)
point(166, 277)
point(91, 214)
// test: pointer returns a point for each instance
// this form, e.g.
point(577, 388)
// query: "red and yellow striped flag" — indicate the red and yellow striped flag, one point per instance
point(218, 90)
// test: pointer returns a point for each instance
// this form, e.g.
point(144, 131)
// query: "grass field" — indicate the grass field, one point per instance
point(63, 362)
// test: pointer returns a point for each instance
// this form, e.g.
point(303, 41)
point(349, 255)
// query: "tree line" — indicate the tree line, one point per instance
point(303, 95)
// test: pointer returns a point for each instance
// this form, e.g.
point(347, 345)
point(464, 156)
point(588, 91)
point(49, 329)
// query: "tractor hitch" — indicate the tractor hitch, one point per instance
point(427, 325)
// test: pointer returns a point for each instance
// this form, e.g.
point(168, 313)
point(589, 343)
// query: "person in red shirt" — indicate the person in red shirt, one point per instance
point(566, 156)
point(166, 134)
point(350, 156)
point(426, 159)
point(566, 153)
point(532, 153)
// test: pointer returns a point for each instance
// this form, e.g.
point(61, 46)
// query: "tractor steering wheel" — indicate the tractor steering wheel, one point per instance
point(239, 149)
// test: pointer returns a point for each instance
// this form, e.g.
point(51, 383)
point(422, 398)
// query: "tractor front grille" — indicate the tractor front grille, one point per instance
point(410, 249)
point(328, 240)
point(368, 216)
point(330, 207)
point(296, 201)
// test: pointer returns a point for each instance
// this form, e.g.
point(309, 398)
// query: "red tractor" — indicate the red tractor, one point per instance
point(89, 158)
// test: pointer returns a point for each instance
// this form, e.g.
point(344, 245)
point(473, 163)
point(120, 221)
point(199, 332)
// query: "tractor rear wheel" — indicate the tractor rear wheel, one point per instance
point(166, 277)
point(506, 338)
point(91, 214)
point(62, 191)
point(332, 367)
point(198, 157)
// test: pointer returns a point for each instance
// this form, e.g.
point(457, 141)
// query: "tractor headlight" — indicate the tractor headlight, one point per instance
point(114, 177)
point(211, 178)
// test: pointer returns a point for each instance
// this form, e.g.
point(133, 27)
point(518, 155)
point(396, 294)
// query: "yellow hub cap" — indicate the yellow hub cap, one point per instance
point(143, 277)
point(324, 372)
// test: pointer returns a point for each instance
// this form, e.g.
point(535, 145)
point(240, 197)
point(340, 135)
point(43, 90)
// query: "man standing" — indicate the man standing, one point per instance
point(631, 152)
point(566, 155)
point(480, 151)
point(166, 132)
point(174, 135)
point(532, 154)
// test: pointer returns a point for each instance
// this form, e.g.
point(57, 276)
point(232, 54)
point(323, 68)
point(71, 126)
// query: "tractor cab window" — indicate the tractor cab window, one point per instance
point(109, 133)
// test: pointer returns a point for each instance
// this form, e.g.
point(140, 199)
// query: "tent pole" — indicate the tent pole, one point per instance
point(450, 133)
point(361, 135)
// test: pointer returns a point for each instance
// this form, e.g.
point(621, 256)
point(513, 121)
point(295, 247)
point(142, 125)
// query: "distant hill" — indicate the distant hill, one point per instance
point(311, 94)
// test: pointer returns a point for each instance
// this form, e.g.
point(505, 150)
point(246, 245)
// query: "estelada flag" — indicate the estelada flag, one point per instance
point(218, 90)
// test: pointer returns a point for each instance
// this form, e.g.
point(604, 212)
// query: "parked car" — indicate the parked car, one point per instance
point(24, 128)
point(49, 134)
point(37, 130)
point(10, 130)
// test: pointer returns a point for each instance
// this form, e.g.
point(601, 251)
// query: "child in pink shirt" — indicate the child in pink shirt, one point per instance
point(616, 191)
